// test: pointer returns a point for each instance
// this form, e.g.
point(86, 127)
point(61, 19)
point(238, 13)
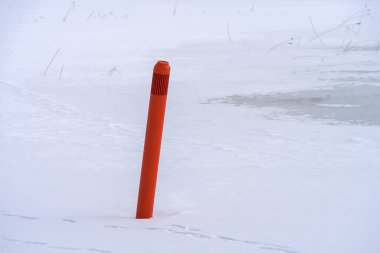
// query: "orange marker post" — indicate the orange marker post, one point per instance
point(153, 136)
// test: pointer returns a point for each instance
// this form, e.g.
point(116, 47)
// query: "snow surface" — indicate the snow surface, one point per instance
point(271, 141)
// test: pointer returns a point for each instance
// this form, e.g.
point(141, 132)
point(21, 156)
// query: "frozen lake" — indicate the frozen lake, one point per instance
point(353, 104)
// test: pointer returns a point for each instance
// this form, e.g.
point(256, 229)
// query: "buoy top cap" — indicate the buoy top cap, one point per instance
point(162, 68)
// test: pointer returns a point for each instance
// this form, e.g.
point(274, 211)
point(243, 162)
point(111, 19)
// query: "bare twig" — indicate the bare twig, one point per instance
point(72, 7)
point(60, 73)
point(344, 22)
point(252, 9)
point(289, 41)
point(113, 70)
point(315, 31)
point(366, 11)
point(51, 61)
point(90, 16)
point(346, 33)
point(175, 8)
point(228, 32)
point(348, 47)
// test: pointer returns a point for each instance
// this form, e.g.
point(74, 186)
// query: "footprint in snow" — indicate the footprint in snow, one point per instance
point(194, 232)
point(69, 220)
point(24, 242)
point(99, 250)
point(64, 248)
point(19, 216)
point(45, 244)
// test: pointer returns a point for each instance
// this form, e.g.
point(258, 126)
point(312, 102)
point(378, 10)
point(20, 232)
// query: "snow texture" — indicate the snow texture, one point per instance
point(272, 129)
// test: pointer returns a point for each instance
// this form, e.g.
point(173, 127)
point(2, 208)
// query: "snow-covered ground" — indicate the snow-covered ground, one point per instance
point(272, 131)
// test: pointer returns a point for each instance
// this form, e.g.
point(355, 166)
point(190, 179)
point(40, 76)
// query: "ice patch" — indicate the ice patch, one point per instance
point(338, 105)
point(353, 104)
